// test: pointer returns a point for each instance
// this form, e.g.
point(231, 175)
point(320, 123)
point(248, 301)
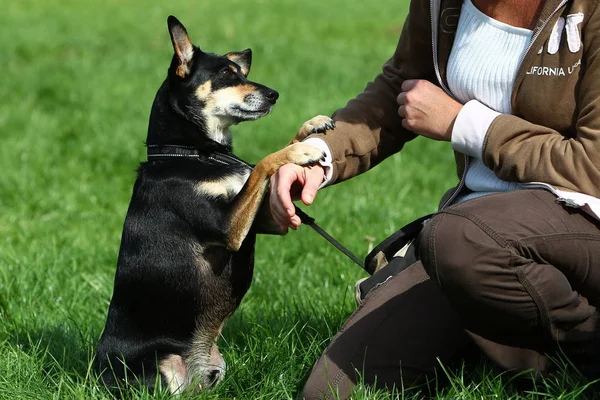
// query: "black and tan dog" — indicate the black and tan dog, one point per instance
point(187, 249)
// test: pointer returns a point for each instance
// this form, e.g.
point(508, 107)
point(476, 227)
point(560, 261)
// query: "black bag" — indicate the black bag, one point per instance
point(402, 246)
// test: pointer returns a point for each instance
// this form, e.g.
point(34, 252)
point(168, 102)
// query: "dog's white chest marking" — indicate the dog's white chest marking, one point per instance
point(227, 187)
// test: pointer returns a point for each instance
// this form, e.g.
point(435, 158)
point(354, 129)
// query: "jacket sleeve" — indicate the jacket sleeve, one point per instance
point(368, 129)
point(517, 150)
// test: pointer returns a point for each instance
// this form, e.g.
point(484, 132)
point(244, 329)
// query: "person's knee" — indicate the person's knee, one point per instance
point(319, 388)
point(456, 253)
point(326, 381)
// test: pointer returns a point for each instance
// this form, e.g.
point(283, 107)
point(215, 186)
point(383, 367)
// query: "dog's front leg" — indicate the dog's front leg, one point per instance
point(264, 223)
point(248, 201)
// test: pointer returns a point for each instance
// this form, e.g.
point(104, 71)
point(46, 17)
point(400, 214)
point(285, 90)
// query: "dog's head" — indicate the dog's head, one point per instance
point(213, 91)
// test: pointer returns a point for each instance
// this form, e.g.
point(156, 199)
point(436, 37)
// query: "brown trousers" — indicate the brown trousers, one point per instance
point(516, 273)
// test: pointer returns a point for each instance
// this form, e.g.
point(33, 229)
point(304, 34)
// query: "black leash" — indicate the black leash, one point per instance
point(156, 152)
point(310, 221)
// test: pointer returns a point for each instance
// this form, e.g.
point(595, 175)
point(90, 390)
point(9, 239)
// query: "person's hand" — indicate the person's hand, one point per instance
point(293, 182)
point(427, 110)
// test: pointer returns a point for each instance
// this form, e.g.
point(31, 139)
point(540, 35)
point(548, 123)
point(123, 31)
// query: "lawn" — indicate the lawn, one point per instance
point(78, 81)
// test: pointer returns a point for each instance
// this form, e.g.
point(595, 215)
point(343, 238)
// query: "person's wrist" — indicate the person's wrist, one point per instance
point(327, 162)
point(456, 107)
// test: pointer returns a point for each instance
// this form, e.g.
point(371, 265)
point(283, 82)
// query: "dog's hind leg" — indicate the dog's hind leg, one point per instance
point(174, 372)
point(248, 201)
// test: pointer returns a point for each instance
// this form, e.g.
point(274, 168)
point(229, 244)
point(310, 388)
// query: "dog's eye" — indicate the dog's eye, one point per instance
point(226, 72)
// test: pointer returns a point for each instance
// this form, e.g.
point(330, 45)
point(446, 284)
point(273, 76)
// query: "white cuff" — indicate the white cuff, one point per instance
point(470, 128)
point(327, 163)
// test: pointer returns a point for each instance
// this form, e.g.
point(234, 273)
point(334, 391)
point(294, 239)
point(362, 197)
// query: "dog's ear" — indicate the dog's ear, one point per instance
point(182, 45)
point(242, 58)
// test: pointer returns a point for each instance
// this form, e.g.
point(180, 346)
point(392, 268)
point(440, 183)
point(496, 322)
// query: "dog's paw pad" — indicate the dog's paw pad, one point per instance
point(305, 154)
point(318, 124)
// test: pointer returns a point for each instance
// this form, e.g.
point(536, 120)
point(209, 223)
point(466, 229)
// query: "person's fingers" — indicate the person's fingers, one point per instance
point(282, 208)
point(401, 98)
point(406, 124)
point(408, 84)
point(280, 198)
point(289, 174)
point(313, 179)
point(295, 222)
point(402, 111)
point(277, 209)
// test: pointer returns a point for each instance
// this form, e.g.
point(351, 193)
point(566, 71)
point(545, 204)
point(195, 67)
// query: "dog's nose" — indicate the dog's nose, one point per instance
point(213, 377)
point(272, 95)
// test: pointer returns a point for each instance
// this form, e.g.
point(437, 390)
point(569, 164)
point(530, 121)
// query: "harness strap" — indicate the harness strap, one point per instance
point(171, 151)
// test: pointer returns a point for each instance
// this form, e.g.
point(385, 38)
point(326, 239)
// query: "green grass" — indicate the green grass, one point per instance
point(78, 79)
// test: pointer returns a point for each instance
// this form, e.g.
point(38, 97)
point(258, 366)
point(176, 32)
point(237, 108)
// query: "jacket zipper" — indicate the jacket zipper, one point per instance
point(433, 6)
point(434, 16)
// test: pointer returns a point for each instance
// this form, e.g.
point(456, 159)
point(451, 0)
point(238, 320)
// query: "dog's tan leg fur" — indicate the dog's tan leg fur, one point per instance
point(248, 201)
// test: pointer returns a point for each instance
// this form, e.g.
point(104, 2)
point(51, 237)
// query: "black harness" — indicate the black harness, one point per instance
point(170, 152)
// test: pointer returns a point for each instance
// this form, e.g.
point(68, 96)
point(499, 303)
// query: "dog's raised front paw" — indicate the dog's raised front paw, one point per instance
point(304, 154)
point(318, 124)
